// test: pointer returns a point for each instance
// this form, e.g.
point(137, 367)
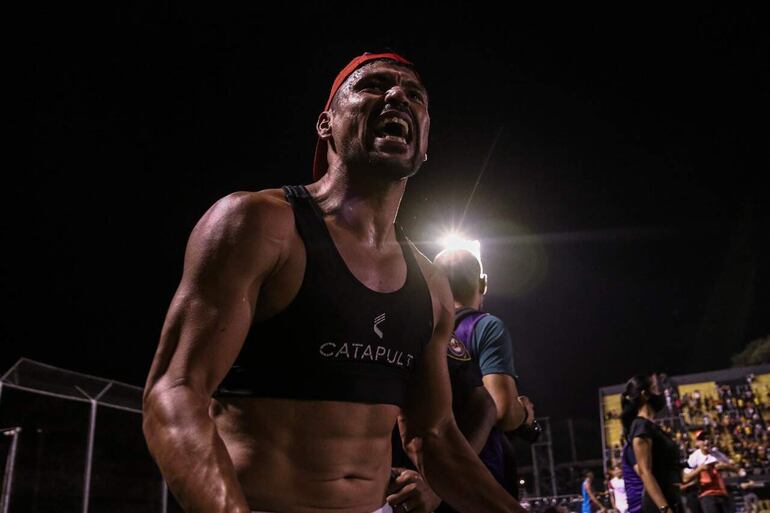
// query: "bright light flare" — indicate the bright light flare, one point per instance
point(455, 240)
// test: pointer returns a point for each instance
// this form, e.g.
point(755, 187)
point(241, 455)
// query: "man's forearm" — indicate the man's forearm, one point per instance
point(192, 457)
point(477, 418)
point(688, 476)
point(445, 459)
point(513, 416)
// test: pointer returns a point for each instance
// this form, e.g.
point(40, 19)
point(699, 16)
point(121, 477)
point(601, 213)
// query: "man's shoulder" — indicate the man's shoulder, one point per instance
point(266, 212)
point(490, 327)
point(254, 203)
point(696, 458)
point(245, 226)
point(492, 320)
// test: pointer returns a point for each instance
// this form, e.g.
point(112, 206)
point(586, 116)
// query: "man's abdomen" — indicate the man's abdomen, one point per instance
point(308, 456)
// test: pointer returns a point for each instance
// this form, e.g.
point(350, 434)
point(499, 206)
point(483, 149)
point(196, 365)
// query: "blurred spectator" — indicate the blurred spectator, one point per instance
point(707, 462)
point(590, 502)
point(617, 488)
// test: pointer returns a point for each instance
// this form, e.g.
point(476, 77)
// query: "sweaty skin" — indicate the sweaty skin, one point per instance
point(245, 262)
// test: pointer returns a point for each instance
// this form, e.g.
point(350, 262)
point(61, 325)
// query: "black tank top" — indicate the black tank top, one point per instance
point(337, 340)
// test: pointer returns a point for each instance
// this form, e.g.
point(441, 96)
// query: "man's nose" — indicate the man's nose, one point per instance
point(396, 96)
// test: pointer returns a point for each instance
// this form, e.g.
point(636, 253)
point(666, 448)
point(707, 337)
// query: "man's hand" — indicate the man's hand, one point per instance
point(410, 493)
point(529, 407)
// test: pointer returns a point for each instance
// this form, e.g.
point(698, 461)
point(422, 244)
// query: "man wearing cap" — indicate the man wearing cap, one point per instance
point(306, 325)
point(707, 462)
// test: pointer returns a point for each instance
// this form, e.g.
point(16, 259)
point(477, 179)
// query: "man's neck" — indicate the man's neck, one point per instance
point(368, 210)
point(474, 304)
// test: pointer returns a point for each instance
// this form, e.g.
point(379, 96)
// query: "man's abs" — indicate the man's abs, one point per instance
point(308, 456)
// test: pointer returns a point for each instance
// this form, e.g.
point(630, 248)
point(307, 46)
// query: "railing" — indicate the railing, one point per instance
point(10, 465)
point(78, 446)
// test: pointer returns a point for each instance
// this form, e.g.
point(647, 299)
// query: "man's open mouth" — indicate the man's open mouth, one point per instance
point(393, 128)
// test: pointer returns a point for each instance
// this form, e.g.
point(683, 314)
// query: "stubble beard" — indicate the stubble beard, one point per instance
point(391, 169)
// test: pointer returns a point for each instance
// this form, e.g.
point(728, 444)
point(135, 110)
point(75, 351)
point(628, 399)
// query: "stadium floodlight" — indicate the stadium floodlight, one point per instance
point(456, 240)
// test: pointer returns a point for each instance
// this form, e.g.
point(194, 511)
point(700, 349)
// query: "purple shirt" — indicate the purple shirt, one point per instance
point(634, 486)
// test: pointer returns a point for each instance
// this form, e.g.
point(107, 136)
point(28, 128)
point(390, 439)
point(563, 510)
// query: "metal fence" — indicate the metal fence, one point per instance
point(73, 443)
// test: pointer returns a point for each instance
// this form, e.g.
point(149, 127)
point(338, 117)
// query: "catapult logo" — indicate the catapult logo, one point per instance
point(366, 353)
point(377, 321)
point(352, 351)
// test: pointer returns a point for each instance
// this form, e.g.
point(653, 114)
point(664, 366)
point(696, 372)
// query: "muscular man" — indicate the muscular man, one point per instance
point(306, 325)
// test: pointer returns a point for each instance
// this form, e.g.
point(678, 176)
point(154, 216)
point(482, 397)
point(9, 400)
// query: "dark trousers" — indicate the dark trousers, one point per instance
point(716, 504)
point(693, 502)
point(511, 478)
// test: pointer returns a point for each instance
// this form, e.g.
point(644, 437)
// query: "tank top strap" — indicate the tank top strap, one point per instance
point(415, 281)
point(309, 220)
point(412, 268)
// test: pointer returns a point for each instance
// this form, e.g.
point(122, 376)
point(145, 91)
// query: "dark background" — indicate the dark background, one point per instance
point(623, 222)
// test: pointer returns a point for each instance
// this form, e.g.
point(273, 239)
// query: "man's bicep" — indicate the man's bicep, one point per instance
point(207, 335)
point(212, 309)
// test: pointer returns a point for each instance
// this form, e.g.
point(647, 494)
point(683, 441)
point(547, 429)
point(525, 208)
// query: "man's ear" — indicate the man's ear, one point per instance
point(324, 125)
point(483, 284)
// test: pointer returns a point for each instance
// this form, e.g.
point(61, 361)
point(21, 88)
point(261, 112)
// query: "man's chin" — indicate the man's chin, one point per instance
point(395, 168)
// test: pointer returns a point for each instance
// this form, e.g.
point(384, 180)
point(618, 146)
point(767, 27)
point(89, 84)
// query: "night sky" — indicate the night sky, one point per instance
point(622, 221)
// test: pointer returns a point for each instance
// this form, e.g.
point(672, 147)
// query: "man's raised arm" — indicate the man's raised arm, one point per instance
point(230, 252)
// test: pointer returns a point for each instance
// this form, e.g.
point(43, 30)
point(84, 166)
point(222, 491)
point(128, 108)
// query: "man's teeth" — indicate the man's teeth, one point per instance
point(403, 124)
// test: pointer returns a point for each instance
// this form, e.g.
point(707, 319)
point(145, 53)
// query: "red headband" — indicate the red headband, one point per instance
point(320, 165)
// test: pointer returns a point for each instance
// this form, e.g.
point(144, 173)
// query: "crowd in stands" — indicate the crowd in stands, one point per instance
point(735, 418)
